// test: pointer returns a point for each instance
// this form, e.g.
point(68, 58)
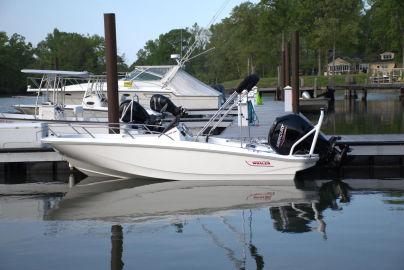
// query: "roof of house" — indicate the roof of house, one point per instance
point(339, 62)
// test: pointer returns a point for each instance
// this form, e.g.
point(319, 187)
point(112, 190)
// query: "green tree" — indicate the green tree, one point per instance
point(334, 24)
point(158, 51)
point(73, 51)
point(15, 54)
point(386, 18)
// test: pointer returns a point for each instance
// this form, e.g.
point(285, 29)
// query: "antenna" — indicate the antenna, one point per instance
point(194, 45)
point(181, 45)
point(181, 61)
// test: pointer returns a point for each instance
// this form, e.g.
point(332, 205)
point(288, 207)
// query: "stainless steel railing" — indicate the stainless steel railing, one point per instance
point(131, 130)
point(315, 130)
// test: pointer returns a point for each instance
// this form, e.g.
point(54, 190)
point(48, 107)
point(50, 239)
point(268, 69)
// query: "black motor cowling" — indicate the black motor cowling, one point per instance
point(132, 112)
point(159, 102)
point(248, 83)
point(288, 129)
point(220, 88)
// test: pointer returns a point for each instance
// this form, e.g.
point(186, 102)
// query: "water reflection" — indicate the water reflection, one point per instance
point(298, 217)
point(230, 219)
point(380, 114)
point(117, 247)
point(292, 210)
point(139, 200)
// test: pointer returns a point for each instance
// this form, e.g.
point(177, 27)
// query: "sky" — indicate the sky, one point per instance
point(137, 21)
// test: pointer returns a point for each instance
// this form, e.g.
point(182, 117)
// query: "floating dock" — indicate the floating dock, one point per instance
point(21, 149)
point(372, 156)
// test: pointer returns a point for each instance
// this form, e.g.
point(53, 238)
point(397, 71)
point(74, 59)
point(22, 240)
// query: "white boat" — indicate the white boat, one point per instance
point(51, 104)
point(145, 81)
point(176, 154)
point(173, 156)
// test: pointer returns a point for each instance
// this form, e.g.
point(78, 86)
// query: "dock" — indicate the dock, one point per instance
point(272, 109)
point(369, 86)
point(21, 149)
point(371, 156)
point(350, 91)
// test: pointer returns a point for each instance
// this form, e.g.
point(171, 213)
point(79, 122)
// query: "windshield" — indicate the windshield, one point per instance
point(147, 73)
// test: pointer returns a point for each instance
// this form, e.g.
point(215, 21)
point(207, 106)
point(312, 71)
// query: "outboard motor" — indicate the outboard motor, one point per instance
point(161, 104)
point(135, 113)
point(288, 129)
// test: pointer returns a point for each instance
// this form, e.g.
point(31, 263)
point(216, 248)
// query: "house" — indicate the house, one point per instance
point(385, 65)
point(387, 56)
point(385, 69)
point(363, 67)
point(339, 66)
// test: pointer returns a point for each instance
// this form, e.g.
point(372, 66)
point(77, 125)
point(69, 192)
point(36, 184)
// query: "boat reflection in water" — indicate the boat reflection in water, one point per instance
point(130, 200)
point(291, 209)
point(241, 225)
point(135, 200)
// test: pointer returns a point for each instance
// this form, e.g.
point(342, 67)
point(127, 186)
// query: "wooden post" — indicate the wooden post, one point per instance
point(402, 94)
point(54, 170)
point(315, 88)
point(279, 84)
point(282, 70)
point(295, 71)
point(287, 64)
point(112, 73)
point(364, 94)
point(117, 247)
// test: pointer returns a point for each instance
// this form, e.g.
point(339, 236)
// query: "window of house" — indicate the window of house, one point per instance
point(387, 56)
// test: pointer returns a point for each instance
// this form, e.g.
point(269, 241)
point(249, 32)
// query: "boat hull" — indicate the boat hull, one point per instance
point(187, 102)
point(172, 162)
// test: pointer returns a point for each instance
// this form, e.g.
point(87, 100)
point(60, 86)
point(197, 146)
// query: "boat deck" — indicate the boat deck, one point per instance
point(266, 116)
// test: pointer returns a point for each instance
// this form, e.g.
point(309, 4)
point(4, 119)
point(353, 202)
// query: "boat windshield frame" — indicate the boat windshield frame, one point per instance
point(150, 71)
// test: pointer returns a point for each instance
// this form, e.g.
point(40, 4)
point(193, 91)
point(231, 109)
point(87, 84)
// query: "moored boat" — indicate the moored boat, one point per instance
point(173, 153)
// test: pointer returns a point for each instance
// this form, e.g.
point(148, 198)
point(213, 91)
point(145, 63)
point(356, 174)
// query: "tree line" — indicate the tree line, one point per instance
point(248, 41)
point(59, 50)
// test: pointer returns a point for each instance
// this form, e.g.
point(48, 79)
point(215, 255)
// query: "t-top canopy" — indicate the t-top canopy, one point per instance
point(62, 73)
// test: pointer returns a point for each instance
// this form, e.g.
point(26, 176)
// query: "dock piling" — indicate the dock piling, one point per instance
point(295, 71)
point(364, 94)
point(287, 63)
point(117, 247)
point(315, 88)
point(112, 73)
point(282, 70)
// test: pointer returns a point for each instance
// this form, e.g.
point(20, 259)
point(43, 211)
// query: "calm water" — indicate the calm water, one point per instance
point(6, 103)
point(118, 225)
point(382, 113)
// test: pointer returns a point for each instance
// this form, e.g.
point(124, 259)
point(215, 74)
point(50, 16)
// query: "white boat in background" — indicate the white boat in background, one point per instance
point(145, 81)
point(174, 153)
point(51, 103)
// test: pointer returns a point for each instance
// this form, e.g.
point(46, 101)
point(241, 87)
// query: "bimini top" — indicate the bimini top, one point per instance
point(172, 78)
